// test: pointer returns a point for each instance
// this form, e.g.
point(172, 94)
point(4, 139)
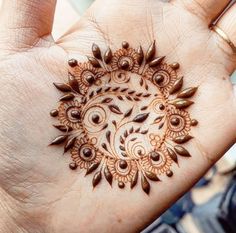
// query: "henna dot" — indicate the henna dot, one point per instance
point(175, 121)
point(175, 66)
point(95, 119)
point(169, 173)
point(162, 107)
point(54, 113)
point(125, 44)
point(73, 166)
point(140, 152)
point(124, 65)
point(75, 114)
point(194, 122)
point(72, 62)
point(123, 164)
point(87, 152)
point(121, 185)
point(159, 79)
point(155, 156)
point(90, 79)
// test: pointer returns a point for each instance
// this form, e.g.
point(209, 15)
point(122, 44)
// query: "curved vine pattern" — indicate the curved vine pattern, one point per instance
point(123, 116)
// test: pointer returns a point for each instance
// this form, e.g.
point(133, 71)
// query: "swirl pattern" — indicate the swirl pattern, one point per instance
point(120, 117)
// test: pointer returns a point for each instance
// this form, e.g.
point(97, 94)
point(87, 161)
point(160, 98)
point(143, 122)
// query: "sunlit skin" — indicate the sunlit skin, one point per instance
point(39, 193)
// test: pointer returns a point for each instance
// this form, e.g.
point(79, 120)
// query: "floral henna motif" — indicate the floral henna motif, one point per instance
point(123, 116)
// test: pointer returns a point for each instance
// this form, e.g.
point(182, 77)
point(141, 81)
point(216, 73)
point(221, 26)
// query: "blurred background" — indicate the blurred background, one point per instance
point(210, 207)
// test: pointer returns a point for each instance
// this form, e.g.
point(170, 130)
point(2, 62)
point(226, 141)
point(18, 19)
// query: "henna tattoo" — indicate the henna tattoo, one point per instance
point(120, 118)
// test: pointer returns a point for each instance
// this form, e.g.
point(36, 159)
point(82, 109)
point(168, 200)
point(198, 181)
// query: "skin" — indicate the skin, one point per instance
point(38, 193)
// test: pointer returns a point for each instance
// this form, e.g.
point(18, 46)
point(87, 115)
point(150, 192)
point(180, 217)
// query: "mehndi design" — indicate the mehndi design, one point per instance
point(120, 119)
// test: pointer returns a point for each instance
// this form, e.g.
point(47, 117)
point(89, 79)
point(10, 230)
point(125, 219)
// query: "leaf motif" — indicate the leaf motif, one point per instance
point(106, 100)
point(182, 139)
point(134, 180)
point(96, 51)
point(173, 155)
point(131, 92)
point(156, 61)
point(137, 130)
point(145, 184)
point(104, 127)
point(108, 56)
point(128, 98)
point(140, 55)
point(92, 168)
point(131, 130)
point(139, 94)
point(115, 109)
point(73, 83)
point(115, 88)
point(141, 82)
point(124, 154)
point(141, 117)
point(151, 176)
point(161, 125)
point(104, 146)
point(69, 144)
point(124, 90)
point(62, 87)
point(99, 90)
point(94, 62)
point(97, 178)
point(151, 52)
point(122, 140)
point(144, 108)
point(133, 139)
point(63, 128)
point(146, 95)
point(108, 136)
point(181, 151)
point(108, 175)
point(120, 97)
point(107, 89)
point(122, 148)
point(58, 140)
point(128, 113)
point(188, 92)
point(181, 103)
point(91, 94)
point(144, 131)
point(67, 97)
point(84, 100)
point(114, 123)
point(177, 86)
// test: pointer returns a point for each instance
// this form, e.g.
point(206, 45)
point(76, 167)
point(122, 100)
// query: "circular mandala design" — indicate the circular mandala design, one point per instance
point(118, 121)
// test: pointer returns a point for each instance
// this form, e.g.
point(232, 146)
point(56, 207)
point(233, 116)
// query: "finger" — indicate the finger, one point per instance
point(206, 9)
point(228, 24)
point(32, 16)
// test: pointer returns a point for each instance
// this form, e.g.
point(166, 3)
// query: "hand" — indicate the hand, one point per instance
point(38, 193)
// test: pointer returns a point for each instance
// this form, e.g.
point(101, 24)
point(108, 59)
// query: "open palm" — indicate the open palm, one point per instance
point(38, 193)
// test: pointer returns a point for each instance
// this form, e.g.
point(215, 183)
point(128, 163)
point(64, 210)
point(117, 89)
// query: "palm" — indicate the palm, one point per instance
point(36, 174)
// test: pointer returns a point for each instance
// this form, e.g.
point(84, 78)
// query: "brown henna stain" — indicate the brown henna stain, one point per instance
point(73, 63)
point(138, 118)
point(54, 113)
